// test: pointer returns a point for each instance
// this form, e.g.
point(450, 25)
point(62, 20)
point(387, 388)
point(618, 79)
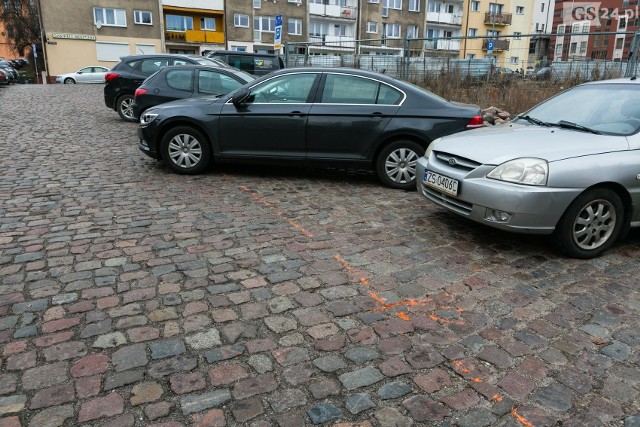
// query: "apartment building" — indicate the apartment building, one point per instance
point(386, 23)
point(251, 24)
point(517, 57)
point(78, 34)
point(490, 19)
point(444, 27)
point(332, 26)
point(541, 26)
point(193, 26)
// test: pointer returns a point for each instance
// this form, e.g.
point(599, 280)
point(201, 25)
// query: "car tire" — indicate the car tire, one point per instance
point(69, 81)
point(396, 164)
point(185, 150)
point(124, 106)
point(591, 224)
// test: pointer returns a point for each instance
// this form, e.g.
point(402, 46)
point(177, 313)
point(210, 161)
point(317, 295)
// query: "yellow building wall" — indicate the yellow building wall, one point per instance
point(476, 20)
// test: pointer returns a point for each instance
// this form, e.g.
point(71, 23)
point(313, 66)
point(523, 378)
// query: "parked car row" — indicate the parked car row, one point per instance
point(91, 74)
point(7, 68)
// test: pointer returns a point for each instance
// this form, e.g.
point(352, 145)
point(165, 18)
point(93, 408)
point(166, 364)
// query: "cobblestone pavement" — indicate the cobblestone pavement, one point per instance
point(279, 297)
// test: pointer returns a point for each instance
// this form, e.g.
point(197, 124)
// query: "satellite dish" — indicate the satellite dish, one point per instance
point(99, 24)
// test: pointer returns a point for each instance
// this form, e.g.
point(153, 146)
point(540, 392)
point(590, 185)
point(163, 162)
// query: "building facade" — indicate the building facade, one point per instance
point(489, 20)
point(541, 26)
point(444, 27)
point(517, 58)
point(78, 34)
point(193, 26)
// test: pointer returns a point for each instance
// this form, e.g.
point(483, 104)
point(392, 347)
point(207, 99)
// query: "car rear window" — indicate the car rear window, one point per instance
point(180, 79)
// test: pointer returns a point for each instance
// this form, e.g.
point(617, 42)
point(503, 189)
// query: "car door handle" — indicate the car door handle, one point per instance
point(297, 113)
point(377, 114)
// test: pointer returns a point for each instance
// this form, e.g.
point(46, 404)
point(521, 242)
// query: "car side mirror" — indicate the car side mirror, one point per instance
point(240, 97)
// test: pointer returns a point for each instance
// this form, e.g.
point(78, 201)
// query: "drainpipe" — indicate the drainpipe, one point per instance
point(466, 30)
point(163, 44)
point(43, 36)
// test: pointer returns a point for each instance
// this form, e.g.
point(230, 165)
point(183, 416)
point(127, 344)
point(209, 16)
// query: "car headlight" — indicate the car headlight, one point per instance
point(147, 118)
point(528, 171)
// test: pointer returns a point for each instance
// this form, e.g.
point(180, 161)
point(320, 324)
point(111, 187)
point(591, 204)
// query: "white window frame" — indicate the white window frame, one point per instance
point(390, 32)
point(475, 6)
point(560, 29)
point(297, 23)
point(472, 32)
point(471, 55)
point(204, 27)
point(374, 1)
point(414, 5)
point(237, 20)
point(394, 4)
point(257, 4)
point(116, 13)
point(433, 6)
point(413, 28)
point(516, 35)
point(185, 21)
point(520, 10)
point(271, 24)
point(514, 60)
point(137, 17)
point(371, 30)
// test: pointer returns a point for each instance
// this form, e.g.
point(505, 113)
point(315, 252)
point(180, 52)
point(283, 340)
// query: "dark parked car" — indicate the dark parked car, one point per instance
point(332, 117)
point(124, 78)
point(185, 81)
point(4, 79)
point(11, 72)
point(257, 64)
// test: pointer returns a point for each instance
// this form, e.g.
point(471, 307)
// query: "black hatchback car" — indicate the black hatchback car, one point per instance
point(257, 64)
point(179, 82)
point(124, 78)
point(333, 117)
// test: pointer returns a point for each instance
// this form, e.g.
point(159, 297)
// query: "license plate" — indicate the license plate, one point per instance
point(441, 182)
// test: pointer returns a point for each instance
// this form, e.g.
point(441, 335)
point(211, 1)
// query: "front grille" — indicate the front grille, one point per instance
point(443, 199)
point(456, 162)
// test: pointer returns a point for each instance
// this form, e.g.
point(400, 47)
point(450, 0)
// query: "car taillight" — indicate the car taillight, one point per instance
point(110, 76)
point(475, 122)
point(139, 92)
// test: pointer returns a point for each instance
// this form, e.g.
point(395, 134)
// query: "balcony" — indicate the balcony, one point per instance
point(442, 44)
point(491, 18)
point(194, 36)
point(444, 18)
point(334, 11)
point(333, 41)
point(498, 45)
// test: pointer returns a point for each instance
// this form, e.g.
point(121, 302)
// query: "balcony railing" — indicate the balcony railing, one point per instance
point(335, 41)
point(334, 11)
point(442, 44)
point(195, 36)
point(444, 18)
point(497, 44)
point(492, 18)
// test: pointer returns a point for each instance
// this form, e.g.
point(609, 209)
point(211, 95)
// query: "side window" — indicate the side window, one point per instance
point(293, 88)
point(263, 63)
point(152, 65)
point(180, 62)
point(180, 79)
point(388, 95)
point(341, 89)
point(211, 82)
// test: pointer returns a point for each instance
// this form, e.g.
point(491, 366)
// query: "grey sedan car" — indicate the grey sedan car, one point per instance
point(569, 167)
point(92, 74)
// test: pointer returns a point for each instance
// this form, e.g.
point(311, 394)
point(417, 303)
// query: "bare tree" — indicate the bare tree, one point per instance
point(21, 23)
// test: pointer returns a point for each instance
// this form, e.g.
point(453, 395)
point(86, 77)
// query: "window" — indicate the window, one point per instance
point(473, 32)
point(294, 26)
point(542, 27)
point(293, 88)
point(374, 1)
point(265, 24)
point(520, 10)
point(433, 6)
point(573, 47)
point(560, 29)
point(179, 23)
point(142, 17)
point(475, 6)
point(622, 23)
point(471, 55)
point(619, 44)
point(585, 27)
point(391, 30)
point(559, 50)
point(583, 47)
point(412, 32)
point(106, 51)
point(542, 7)
point(318, 29)
point(257, 4)
point(447, 34)
point(151, 65)
point(339, 30)
point(493, 33)
point(241, 20)
point(448, 8)
point(208, 24)
point(514, 60)
point(575, 28)
point(495, 8)
point(239, 48)
point(109, 16)
point(211, 82)
point(372, 27)
point(395, 4)
point(414, 5)
point(517, 35)
point(341, 89)
point(180, 79)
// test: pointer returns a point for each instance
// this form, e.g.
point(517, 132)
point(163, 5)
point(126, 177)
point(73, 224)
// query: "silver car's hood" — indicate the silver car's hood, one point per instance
point(497, 144)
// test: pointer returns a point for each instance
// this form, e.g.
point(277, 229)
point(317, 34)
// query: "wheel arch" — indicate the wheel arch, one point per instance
point(390, 139)
point(616, 188)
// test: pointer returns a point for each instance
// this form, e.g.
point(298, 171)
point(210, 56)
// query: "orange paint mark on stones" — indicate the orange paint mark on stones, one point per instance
point(344, 263)
point(477, 380)
point(403, 316)
point(270, 205)
point(364, 281)
point(459, 366)
point(376, 298)
point(497, 398)
point(520, 418)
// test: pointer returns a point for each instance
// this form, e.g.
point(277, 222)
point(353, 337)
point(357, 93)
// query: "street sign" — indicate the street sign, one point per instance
point(489, 46)
point(277, 36)
point(35, 54)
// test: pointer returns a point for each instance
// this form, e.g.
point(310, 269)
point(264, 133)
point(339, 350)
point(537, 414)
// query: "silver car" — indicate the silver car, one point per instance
point(569, 167)
point(92, 74)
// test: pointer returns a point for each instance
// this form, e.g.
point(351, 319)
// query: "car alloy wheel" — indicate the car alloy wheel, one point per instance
point(397, 164)
point(591, 224)
point(125, 108)
point(185, 150)
point(69, 81)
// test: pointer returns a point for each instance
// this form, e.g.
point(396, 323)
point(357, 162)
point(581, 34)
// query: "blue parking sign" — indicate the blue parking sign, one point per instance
point(489, 46)
point(278, 20)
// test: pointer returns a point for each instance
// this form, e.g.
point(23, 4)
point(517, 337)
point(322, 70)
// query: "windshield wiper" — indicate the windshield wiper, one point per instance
point(534, 121)
point(569, 125)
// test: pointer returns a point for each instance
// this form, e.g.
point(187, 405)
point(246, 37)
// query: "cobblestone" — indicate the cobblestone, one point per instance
point(264, 296)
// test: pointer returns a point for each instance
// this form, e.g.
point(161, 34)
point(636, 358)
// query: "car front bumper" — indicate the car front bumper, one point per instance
point(527, 209)
point(147, 143)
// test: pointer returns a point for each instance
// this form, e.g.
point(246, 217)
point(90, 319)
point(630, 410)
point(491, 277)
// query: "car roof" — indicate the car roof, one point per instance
point(239, 52)
point(623, 80)
point(162, 55)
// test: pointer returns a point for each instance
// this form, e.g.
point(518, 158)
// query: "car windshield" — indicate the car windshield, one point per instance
point(607, 108)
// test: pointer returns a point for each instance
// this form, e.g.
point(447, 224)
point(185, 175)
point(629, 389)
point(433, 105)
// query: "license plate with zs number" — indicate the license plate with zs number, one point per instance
point(443, 183)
